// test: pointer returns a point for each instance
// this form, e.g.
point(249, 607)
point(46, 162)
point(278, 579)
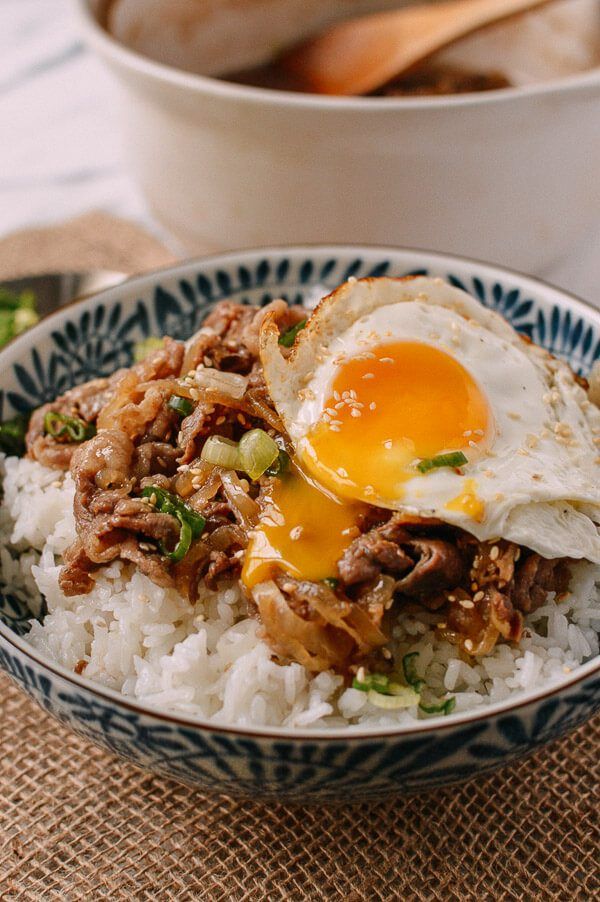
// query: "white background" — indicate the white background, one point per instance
point(60, 152)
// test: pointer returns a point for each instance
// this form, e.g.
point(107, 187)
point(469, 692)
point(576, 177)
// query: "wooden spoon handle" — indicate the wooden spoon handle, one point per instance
point(360, 55)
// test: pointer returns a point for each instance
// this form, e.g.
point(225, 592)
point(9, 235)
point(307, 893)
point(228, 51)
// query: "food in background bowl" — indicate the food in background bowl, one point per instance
point(241, 43)
point(381, 510)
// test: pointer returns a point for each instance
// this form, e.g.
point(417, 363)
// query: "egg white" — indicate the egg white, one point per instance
point(538, 478)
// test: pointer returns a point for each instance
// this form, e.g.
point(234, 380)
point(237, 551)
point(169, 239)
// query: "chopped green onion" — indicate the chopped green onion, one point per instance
point(288, 337)
point(71, 429)
point(402, 697)
point(258, 451)
point(183, 406)
point(190, 521)
point(17, 313)
point(9, 300)
point(409, 669)
point(221, 452)
point(146, 346)
point(445, 707)
point(12, 436)
point(452, 459)
point(379, 682)
point(280, 465)
point(331, 582)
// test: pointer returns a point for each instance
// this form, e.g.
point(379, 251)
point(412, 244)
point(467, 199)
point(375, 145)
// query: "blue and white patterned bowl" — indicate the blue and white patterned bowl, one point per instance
point(95, 336)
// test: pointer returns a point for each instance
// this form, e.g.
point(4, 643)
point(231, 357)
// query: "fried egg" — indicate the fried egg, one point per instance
point(388, 375)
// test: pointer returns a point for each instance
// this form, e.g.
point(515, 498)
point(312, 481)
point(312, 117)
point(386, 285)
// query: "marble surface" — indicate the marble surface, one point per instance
point(61, 154)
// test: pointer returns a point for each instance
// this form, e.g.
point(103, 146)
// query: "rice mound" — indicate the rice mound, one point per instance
point(209, 661)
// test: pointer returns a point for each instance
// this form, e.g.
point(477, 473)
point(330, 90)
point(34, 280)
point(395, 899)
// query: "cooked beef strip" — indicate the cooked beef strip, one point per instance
point(84, 402)
point(536, 577)
point(426, 565)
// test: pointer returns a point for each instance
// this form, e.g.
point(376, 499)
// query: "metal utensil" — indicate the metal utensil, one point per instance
point(52, 290)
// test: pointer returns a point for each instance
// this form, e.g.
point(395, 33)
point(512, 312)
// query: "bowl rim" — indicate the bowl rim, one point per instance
point(135, 285)
point(109, 47)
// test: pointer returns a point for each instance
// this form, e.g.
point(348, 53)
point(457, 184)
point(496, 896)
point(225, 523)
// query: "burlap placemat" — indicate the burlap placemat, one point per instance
point(76, 823)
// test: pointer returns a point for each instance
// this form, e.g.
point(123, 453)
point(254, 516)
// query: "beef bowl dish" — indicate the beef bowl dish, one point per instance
point(307, 522)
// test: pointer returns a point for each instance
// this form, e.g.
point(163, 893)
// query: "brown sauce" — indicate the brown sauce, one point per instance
point(427, 80)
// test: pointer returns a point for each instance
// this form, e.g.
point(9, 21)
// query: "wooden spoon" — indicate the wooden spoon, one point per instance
point(360, 55)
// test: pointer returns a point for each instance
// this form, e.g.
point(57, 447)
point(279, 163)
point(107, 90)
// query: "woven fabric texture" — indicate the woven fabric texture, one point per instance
point(76, 823)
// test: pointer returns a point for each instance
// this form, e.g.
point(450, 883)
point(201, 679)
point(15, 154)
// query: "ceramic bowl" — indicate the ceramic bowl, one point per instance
point(94, 337)
point(503, 175)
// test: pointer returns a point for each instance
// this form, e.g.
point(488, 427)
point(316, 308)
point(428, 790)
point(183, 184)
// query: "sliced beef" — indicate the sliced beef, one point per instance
point(83, 402)
point(425, 565)
point(536, 577)
point(368, 555)
point(438, 565)
point(154, 458)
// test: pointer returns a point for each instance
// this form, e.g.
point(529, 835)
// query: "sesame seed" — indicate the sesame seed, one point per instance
point(467, 433)
point(442, 625)
point(372, 405)
point(466, 603)
point(295, 533)
point(360, 674)
point(494, 552)
point(478, 431)
point(343, 473)
point(336, 395)
point(513, 415)
point(386, 359)
point(368, 376)
point(478, 596)
point(386, 653)
point(387, 444)
point(468, 645)
point(355, 412)
point(472, 444)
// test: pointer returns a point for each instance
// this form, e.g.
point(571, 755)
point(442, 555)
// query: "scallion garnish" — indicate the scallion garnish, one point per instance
point(445, 707)
point(221, 452)
point(410, 671)
point(401, 697)
point(385, 693)
point(280, 465)
point(452, 459)
point(69, 429)
point(288, 337)
point(12, 436)
point(367, 681)
point(258, 451)
point(146, 346)
point(17, 313)
point(191, 523)
point(182, 406)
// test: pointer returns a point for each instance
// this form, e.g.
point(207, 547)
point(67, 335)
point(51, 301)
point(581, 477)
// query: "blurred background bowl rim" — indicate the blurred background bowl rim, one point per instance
point(133, 286)
point(206, 85)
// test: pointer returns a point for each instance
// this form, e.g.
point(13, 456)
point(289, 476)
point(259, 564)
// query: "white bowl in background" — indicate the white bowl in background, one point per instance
point(508, 175)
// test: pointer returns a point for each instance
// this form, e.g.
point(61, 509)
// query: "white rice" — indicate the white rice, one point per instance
point(207, 660)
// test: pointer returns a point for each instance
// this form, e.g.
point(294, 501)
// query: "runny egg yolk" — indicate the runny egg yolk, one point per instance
point(303, 531)
point(389, 407)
